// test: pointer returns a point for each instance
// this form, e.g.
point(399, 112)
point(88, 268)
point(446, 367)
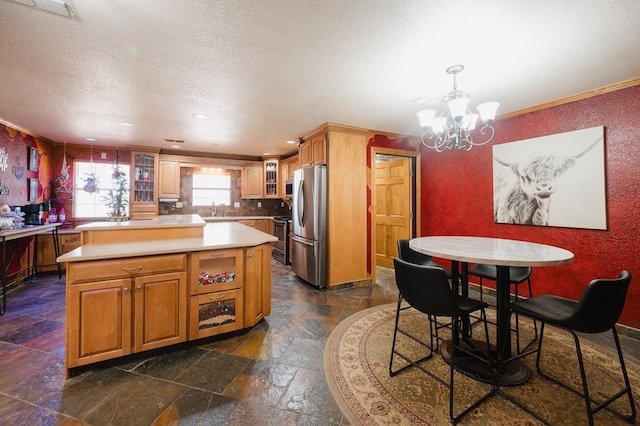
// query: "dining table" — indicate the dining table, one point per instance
point(503, 253)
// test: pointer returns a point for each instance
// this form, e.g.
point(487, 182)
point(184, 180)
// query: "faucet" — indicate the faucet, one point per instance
point(213, 209)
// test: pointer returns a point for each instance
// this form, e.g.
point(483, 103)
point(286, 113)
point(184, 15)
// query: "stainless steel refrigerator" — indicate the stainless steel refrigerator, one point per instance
point(309, 212)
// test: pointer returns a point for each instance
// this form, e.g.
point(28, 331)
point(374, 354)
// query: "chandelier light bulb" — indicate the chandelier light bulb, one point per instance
point(452, 129)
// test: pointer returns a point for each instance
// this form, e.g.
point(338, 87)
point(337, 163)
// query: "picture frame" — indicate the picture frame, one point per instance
point(33, 159)
point(33, 189)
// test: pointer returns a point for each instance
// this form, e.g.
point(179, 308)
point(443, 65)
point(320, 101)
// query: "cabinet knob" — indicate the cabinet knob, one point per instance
point(139, 287)
point(250, 254)
point(126, 289)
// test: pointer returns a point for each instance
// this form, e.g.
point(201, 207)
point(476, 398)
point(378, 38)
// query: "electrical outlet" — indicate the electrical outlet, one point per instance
point(259, 204)
point(178, 205)
point(282, 204)
point(103, 155)
point(236, 204)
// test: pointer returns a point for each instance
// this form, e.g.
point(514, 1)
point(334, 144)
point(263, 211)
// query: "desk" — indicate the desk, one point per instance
point(502, 253)
point(32, 264)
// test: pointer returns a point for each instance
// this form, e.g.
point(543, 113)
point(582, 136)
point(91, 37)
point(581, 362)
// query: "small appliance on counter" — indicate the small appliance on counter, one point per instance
point(31, 214)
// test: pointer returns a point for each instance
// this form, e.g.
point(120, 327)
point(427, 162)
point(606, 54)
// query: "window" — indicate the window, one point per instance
point(211, 187)
point(92, 204)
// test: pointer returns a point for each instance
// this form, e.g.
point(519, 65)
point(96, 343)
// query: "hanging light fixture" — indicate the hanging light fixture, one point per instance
point(452, 129)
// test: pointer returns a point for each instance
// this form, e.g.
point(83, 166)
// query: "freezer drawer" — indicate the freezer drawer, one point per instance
point(309, 261)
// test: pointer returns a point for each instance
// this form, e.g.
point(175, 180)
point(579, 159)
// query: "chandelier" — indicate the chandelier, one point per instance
point(452, 128)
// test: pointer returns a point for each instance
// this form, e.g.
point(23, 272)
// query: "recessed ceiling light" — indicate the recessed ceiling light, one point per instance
point(201, 116)
point(124, 123)
point(291, 142)
point(265, 153)
point(90, 139)
point(175, 146)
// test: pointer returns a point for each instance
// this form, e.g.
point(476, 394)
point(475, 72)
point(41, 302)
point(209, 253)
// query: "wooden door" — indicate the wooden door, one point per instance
point(160, 310)
point(102, 312)
point(393, 208)
point(257, 296)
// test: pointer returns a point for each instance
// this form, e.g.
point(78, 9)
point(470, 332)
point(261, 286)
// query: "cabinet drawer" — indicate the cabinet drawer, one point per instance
point(215, 313)
point(216, 270)
point(125, 267)
point(144, 208)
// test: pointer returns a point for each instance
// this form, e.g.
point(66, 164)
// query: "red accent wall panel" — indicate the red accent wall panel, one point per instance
point(457, 196)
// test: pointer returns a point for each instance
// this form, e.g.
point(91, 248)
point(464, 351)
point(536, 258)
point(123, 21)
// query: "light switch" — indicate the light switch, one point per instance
point(259, 204)
point(103, 155)
point(236, 204)
point(178, 204)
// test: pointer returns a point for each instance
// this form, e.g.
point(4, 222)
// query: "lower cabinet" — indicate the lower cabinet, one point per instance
point(46, 253)
point(116, 307)
point(130, 305)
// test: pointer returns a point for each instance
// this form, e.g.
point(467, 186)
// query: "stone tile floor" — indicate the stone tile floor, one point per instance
point(271, 374)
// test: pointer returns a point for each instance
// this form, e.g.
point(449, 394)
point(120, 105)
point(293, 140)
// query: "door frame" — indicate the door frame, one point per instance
point(415, 199)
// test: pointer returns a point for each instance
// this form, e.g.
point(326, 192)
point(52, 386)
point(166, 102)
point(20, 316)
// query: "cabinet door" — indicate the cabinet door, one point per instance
point(271, 177)
point(98, 321)
point(319, 150)
point(305, 154)
point(252, 182)
point(169, 172)
point(160, 310)
point(257, 287)
point(216, 270)
point(284, 176)
point(215, 313)
point(143, 200)
point(46, 252)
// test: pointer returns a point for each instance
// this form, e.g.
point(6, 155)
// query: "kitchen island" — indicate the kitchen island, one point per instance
point(132, 296)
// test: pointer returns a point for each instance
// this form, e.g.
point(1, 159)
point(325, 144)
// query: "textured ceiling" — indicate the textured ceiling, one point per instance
point(269, 71)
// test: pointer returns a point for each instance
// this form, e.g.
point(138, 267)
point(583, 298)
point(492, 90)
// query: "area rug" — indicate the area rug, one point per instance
point(356, 361)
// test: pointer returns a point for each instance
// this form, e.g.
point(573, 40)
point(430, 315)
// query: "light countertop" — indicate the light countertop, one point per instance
point(162, 221)
point(216, 236)
point(232, 218)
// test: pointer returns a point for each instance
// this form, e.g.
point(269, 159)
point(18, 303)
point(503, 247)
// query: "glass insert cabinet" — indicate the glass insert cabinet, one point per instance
point(144, 189)
point(217, 279)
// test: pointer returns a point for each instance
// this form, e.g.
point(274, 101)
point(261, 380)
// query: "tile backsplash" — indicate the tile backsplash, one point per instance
point(248, 207)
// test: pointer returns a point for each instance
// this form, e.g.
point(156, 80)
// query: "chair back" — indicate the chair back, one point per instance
point(601, 304)
point(434, 298)
point(407, 254)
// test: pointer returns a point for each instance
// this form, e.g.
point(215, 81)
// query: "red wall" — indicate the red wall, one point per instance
point(457, 196)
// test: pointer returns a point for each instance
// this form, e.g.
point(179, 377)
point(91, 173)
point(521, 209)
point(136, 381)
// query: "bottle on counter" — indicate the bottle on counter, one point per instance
point(61, 216)
point(53, 217)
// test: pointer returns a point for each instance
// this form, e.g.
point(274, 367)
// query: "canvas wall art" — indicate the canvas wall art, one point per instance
point(556, 180)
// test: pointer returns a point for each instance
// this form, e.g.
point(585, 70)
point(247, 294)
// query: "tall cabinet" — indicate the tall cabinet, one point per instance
point(143, 200)
point(344, 151)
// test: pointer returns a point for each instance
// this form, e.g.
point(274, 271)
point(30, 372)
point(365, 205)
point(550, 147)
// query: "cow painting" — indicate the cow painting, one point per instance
point(524, 187)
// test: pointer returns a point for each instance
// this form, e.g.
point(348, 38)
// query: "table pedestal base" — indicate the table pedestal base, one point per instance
point(515, 372)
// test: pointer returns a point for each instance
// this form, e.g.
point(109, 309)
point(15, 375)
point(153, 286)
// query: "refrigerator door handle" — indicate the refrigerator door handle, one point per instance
point(301, 203)
point(301, 241)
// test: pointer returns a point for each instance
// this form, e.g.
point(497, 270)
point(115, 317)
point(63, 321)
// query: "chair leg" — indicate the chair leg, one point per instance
point(585, 389)
point(397, 330)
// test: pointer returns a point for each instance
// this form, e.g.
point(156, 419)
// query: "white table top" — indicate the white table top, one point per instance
point(27, 230)
point(492, 251)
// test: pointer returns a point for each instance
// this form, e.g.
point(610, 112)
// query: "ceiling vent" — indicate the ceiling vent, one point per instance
point(173, 141)
point(64, 8)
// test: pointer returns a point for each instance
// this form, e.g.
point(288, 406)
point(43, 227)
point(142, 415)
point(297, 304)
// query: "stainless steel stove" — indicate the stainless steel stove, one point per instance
point(280, 248)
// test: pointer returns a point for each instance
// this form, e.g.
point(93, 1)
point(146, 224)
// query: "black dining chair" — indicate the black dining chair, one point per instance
point(407, 254)
point(517, 275)
point(597, 311)
point(437, 300)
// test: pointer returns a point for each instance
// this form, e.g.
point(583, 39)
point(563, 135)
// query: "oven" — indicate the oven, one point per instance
point(280, 248)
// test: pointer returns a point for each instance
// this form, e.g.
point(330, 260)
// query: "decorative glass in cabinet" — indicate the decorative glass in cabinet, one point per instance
point(144, 178)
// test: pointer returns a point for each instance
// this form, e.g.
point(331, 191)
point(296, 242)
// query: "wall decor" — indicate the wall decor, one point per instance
point(556, 180)
point(18, 169)
point(33, 190)
point(4, 159)
point(33, 159)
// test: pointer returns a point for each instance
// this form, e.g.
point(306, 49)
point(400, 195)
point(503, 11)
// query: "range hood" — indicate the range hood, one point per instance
point(168, 199)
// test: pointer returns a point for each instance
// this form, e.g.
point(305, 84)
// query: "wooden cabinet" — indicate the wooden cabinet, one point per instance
point(169, 179)
point(287, 167)
point(313, 151)
point(252, 182)
point(216, 292)
point(116, 307)
point(46, 254)
point(257, 288)
point(264, 225)
point(143, 200)
point(271, 178)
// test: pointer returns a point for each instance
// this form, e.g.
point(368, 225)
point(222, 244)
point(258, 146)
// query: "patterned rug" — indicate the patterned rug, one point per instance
point(356, 361)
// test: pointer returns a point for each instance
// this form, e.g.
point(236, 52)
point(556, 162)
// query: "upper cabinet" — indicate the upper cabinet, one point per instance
point(271, 177)
point(143, 201)
point(287, 167)
point(252, 182)
point(169, 179)
point(313, 151)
